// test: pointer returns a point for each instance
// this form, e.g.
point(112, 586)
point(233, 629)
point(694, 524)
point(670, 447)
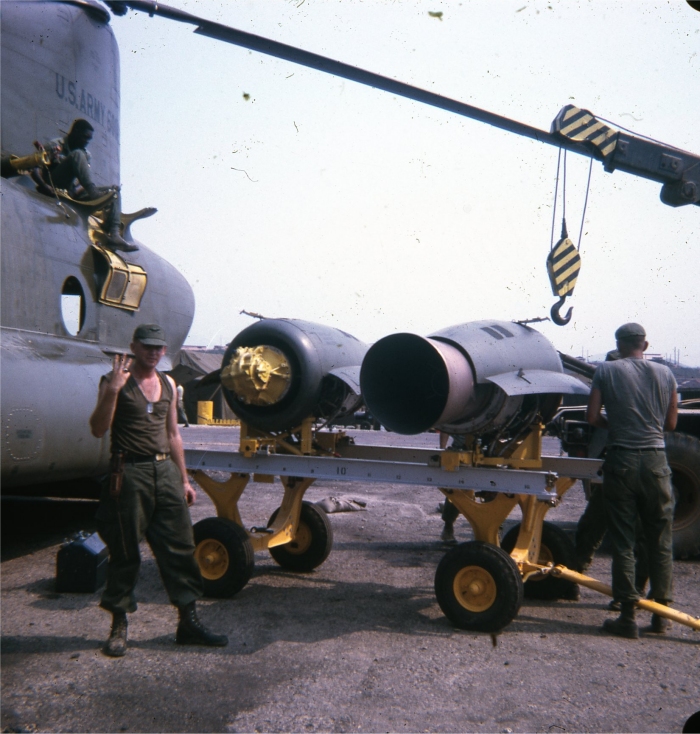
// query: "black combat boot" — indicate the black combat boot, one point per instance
point(659, 625)
point(190, 631)
point(624, 625)
point(116, 242)
point(115, 646)
point(640, 584)
point(448, 534)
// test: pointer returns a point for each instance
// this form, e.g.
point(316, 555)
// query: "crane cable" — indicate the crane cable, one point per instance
point(564, 259)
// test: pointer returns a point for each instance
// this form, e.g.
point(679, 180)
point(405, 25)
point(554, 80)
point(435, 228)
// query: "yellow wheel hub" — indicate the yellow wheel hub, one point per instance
point(545, 555)
point(474, 588)
point(213, 559)
point(302, 540)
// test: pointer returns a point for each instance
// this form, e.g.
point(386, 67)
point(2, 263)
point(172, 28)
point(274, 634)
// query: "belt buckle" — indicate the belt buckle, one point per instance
point(161, 457)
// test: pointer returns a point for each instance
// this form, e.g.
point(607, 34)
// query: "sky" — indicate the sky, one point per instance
point(291, 193)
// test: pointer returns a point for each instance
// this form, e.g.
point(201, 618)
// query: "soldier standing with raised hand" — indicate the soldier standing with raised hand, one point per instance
point(149, 490)
point(641, 402)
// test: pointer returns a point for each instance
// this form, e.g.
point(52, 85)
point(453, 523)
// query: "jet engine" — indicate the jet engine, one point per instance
point(484, 378)
point(277, 372)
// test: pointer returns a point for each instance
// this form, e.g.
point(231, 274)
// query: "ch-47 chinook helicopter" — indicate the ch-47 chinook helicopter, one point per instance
point(66, 298)
point(60, 62)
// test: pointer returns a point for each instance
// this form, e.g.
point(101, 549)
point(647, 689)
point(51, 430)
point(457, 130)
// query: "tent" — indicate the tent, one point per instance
point(190, 366)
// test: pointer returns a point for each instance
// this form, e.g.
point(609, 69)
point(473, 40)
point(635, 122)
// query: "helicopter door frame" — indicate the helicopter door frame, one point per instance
point(122, 284)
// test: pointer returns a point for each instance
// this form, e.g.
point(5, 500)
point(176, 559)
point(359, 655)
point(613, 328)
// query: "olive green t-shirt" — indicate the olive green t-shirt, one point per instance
point(636, 396)
point(138, 428)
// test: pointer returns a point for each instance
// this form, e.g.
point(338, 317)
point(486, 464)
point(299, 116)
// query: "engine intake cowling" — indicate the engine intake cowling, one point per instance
point(277, 372)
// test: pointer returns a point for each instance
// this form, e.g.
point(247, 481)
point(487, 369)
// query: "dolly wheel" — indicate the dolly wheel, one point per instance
point(555, 548)
point(478, 587)
point(311, 544)
point(224, 554)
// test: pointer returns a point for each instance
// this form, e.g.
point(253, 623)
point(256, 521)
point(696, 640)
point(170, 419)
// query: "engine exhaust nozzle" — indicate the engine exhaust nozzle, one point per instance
point(411, 383)
point(484, 378)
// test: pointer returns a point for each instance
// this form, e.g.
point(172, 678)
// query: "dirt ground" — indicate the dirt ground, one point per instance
point(358, 645)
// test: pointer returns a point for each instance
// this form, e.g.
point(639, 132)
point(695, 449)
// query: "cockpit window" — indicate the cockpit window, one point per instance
point(73, 306)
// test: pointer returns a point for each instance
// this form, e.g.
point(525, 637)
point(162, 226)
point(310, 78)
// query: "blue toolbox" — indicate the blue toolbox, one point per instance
point(81, 564)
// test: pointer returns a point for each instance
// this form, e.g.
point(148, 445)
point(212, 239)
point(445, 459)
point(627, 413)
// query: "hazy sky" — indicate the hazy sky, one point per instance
point(292, 193)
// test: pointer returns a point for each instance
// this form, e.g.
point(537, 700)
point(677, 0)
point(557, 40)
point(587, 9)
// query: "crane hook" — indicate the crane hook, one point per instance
point(554, 312)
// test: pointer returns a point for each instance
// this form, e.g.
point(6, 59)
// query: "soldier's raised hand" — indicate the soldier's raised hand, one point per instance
point(120, 371)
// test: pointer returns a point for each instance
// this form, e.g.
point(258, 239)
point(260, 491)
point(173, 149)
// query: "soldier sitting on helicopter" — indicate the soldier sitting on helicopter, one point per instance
point(69, 168)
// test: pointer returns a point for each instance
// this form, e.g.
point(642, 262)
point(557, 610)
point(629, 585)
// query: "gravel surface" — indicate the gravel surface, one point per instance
point(360, 644)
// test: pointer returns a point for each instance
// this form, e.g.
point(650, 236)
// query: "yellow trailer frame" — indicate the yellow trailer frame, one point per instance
point(479, 586)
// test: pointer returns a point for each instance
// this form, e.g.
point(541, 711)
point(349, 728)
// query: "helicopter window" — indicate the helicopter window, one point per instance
point(73, 306)
point(116, 286)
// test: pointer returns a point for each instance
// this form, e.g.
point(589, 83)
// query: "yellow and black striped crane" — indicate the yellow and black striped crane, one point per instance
point(563, 265)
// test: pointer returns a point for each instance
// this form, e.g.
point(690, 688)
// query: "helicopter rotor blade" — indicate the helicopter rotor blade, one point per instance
point(677, 170)
point(220, 32)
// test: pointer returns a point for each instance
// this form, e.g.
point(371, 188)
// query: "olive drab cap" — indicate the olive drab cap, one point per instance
point(628, 330)
point(151, 335)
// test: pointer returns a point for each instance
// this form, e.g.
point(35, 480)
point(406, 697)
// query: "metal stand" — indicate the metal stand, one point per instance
point(479, 585)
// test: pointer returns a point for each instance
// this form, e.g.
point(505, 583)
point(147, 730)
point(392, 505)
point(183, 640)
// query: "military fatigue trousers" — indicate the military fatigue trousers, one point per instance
point(75, 165)
point(151, 505)
point(638, 483)
point(591, 529)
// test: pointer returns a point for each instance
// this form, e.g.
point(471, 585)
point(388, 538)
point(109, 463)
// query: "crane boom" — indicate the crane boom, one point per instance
point(678, 171)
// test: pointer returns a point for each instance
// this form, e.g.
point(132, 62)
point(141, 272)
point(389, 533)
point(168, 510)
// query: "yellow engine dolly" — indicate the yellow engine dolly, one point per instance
point(298, 535)
point(480, 585)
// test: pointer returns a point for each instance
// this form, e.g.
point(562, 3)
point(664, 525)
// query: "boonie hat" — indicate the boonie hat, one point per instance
point(151, 335)
point(628, 330)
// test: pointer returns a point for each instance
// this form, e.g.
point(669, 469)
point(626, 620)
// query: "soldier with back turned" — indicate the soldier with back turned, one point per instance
point(641, 402)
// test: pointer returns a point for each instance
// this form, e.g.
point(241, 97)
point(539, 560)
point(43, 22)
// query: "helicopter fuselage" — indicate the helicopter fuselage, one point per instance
point(65, 300)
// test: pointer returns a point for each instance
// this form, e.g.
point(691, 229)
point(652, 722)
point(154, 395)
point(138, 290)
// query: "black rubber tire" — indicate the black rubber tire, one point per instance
point(555, 548)
point(225, 556)
point(683, 453)
point(499, 588)
point(312, 543)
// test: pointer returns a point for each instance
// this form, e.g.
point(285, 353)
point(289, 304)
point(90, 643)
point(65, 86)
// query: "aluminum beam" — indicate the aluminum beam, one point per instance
point(510, 481)
point(564, 466)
